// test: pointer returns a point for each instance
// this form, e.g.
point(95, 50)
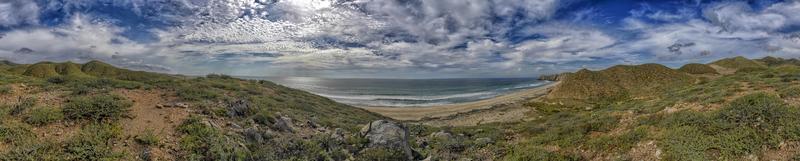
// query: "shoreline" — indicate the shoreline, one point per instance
point(418, 113)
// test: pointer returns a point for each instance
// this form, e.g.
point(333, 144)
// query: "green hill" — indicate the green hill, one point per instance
point(619, 81)
point(775, 61)
point(695, 68)
point(95, 69)
point(738, 63)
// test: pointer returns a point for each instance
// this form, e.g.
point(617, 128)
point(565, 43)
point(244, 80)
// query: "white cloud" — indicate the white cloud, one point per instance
point(18, 12)
point(79, 40)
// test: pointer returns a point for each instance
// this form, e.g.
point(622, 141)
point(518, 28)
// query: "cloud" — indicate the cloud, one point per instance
point(286, 37)
point(18, 12)
point(79, 40)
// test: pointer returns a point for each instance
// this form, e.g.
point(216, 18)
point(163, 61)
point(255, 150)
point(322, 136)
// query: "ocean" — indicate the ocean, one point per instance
point(407, 92)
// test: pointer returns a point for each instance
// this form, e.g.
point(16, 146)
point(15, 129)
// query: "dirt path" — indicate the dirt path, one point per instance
point(418, 113)
point(146, 117)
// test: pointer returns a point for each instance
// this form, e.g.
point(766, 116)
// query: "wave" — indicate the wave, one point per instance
point(407, 98)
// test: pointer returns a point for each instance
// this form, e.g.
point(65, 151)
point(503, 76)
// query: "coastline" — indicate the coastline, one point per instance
point(418, 113)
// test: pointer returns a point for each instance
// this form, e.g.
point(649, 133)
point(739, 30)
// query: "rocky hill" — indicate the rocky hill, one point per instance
point(618, 81)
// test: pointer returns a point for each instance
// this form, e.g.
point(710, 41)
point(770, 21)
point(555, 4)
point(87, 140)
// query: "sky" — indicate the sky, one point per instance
point(394, 38)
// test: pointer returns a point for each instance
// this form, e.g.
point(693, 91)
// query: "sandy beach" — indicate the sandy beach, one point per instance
point(417, 113)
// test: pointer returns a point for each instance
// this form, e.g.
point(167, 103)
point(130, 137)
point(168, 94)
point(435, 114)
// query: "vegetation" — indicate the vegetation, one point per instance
point(612, 114)
point(97, 108)
point(44, 116)
point(697, 69)
point(619, 82)
point(738, 63)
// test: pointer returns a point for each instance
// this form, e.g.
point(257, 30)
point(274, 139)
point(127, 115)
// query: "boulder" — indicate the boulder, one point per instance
point(284, 124)
point(238, 108)
point(387, 134)
point(338, 134)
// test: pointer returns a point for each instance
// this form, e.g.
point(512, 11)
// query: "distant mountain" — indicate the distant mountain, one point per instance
point(618, 81)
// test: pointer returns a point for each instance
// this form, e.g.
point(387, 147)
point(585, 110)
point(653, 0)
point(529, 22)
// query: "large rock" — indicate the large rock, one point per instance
point(238, 108)
point(284, 124)
point(387, 134)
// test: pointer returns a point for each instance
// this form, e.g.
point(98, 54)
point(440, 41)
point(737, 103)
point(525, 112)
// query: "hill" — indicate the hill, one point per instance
point(695, 68)
point(776, 61)
point(618, 81)
point(96, 111)
point(738, 63)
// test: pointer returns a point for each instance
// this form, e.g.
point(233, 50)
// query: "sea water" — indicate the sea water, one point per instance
point(407, 92)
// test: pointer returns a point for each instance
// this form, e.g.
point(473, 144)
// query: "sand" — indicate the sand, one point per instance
point(417, 113)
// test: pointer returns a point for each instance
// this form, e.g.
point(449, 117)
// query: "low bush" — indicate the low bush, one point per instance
point(94, 142)
point(148, 137)
point(203, 142)
point(6, 89)
point(15, 133)
point(792, 92)
point(381, 154)
point(537, 153)
point(43, 116)
point(23, 104)
point(97, 108)
point(745, 126)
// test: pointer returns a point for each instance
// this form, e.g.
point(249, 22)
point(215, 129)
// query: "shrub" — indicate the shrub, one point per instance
point(11, 132)
point(204, 142)
point(97, 108)
point(537, 153)
point(94, 143)
point(6, 89)
point(43, 116)
point(23, 104)
point(193, 93)
point(791, 92)
point(148, 138)
point(57, 80)
point(381, 154)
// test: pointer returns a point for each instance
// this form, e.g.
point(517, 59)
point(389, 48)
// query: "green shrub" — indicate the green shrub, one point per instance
point(537, 153)
point(23, 104)
point(148, 138)
point(193, 93)
point(15, 133)
point(744, 126)
point(94, 143)
point(44, 150)
point(203, 142)
point(792, 92)
point(381, 154)
point(97, 108)
point(43, 116)
point(6, 89)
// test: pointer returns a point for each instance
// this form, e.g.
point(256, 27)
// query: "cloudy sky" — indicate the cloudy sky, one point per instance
point(393, 38)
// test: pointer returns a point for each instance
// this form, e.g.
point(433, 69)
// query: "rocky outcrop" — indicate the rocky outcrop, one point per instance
point(238, 108)
point(388, 134)
point(553, 77)
point(284, 124)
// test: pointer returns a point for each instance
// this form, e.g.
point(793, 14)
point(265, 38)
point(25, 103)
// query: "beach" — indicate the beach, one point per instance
point(418, 113)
